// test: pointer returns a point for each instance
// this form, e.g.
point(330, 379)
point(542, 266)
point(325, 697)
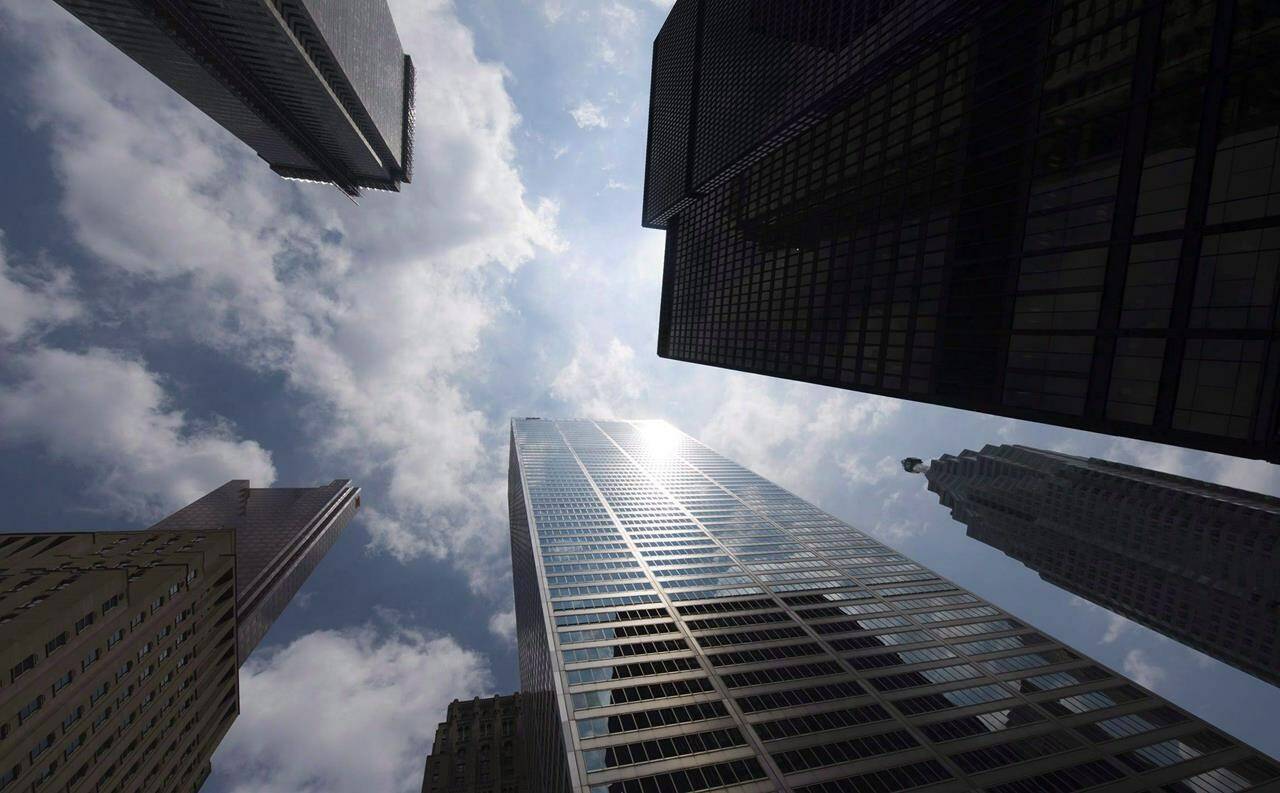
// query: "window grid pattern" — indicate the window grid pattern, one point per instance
point(1002, 219)
point(840, 660)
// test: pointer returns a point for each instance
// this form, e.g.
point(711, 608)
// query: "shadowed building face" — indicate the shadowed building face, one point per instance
point(1062, 212)
point(121, 650)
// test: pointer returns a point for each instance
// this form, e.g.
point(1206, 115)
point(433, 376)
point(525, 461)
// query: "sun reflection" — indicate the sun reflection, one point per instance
point(660, 439)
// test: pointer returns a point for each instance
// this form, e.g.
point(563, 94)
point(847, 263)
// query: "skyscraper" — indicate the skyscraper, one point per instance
point(120, 650)
point(1064, 212)
point(320, 89)
point(1196, 561)
point(686, 625)
point(477, 749)
point(282, 533)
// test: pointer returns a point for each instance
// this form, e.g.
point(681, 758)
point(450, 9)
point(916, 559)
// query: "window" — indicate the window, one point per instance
point(22, 667)
point(902, 777)
point(40, 747)
point(90, 658)
point(84, 622)
point(99, 693)
point(692, 779)
point(661, 749)
point(72, 717)
point(63, 682)
point(53, 644)
point(647, 719)
point(115, 638)
point(820, 722)
point(847, 751)
point(30, 708)
point(1077, 777)
point(110, 603)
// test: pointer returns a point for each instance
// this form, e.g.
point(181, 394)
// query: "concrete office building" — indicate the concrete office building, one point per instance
point(119, 651)
point(320, 89)
point(684, 624)
point(1196, 561)
point(477, 749)
point(1063, 212)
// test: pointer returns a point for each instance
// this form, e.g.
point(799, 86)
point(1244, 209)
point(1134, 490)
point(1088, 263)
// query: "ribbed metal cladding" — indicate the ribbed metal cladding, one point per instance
point(1058, 212)
point(1198, 562)
point(692, 626)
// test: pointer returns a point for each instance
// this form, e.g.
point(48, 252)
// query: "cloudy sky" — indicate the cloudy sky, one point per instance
point(173, 316)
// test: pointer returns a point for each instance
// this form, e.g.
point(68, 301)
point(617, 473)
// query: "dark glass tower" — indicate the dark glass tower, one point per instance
point(1196, 561)
point(686, 625)
point(282, 533)
point(1065, 212)
point(477, 749)
point(320, 89)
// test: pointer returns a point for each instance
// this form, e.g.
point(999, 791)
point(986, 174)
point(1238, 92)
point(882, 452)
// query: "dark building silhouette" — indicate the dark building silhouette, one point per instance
point(1064, 212)
point(686, 625)
point(320, 89)
point(118, 655)
point(477, 749)
point(119, 651)
point(282, 533)
point(1196, 561)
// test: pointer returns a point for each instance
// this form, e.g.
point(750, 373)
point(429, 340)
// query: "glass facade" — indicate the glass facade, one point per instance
point(1196, 561)
point(687, 625)
point(1066, 212)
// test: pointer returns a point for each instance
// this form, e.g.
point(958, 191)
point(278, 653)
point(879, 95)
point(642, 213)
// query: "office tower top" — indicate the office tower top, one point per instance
point(281, 535)
point(320, 89)
point(118, 653)
point(684, 624)
point(477, 749)
point(1196, 561)
point(1062, 212)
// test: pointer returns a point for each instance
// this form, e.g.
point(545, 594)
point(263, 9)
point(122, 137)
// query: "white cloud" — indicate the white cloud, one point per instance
point(373, 314)
point(895, 532)
point(601, 381)
point(345, 711)
point(107, 413)
point(858, 470)
point(789, 432)
point(588, 115)
point(1116, 626)
point(503, 625)
point(32, 299)
point(1143, 671)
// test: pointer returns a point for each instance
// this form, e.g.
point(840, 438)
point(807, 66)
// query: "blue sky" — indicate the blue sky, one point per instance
point(173, 316)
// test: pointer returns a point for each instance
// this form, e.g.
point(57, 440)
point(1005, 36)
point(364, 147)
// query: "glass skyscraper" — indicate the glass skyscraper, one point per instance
point(1196, 561)
point(687, 625)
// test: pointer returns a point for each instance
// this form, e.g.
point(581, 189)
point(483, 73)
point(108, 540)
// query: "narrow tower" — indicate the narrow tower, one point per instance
point(1195, 561)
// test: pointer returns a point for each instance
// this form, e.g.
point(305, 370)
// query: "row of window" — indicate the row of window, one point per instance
point(600, 674)
point(648, 719)
point(661, 749)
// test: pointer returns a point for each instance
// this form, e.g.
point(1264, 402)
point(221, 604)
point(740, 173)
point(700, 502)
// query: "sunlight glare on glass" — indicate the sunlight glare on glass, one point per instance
point(660, 439)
